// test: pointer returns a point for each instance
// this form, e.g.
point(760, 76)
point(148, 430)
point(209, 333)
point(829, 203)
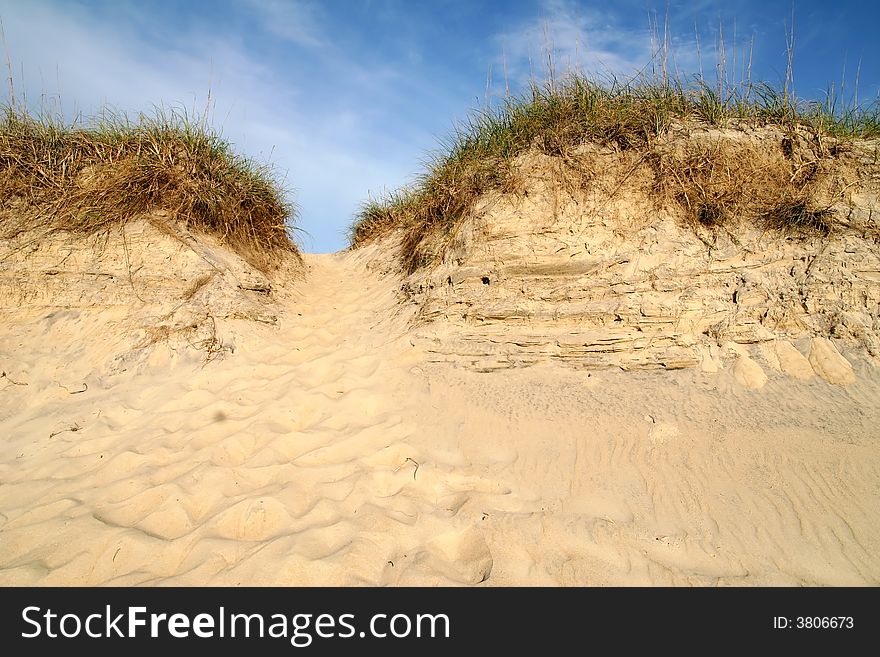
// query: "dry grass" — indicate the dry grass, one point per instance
point(197, 285)
point(798, 215)
point(55, 177)
point(713, 184)
point(198, 333)
point(378, 217)
point(719, 182)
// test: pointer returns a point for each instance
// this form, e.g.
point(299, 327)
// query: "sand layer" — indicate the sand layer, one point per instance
point(327, 445)
point(584, 266)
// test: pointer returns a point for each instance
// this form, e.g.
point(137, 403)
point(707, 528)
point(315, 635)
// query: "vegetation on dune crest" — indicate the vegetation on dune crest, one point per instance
point(56, 176)
point(712, 184)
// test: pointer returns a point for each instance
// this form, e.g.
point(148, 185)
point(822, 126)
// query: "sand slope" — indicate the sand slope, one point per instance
point(327, 448)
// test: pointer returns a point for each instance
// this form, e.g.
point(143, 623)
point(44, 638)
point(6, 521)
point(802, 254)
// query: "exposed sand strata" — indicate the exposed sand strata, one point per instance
point(583, 267)
point(132, 289)
point(328, 449)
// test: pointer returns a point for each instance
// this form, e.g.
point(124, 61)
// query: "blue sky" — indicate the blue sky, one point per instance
point(347, 98)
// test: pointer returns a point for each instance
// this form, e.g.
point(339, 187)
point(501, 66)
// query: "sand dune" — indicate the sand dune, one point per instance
point(609, 339)
point(330, 447)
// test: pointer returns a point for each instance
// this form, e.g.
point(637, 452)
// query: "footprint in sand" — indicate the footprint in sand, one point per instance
point(235, 450)
point(168, 521)
point(662, 432)
point(253, 520)
point(156, 512)
point(461, 555)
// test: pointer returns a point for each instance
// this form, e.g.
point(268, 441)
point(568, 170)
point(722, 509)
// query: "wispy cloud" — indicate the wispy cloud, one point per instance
point(566, 37)
point(300, 23)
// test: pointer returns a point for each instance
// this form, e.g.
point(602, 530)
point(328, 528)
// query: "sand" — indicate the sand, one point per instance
point(328, 446)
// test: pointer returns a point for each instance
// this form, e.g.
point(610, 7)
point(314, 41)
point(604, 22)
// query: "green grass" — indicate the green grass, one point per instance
point(87, 178)
point(554, 118)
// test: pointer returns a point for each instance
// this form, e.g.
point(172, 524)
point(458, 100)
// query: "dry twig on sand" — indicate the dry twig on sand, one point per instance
point(4, 375)
point(410, 460)
point(73, 428)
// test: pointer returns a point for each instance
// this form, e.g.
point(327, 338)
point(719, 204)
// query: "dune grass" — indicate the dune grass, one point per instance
point(87, 178)
point(554, 117)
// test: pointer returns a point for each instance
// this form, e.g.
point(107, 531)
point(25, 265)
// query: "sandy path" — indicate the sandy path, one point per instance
point(268, 467)
point(327, 450)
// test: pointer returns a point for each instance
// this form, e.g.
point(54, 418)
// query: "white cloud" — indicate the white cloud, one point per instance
point(597, 43)
point(297, 22)
point(570, 38)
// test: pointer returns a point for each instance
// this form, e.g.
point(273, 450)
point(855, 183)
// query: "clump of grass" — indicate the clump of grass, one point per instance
point(796, 215)
point(718, 182)
point(560, 115)
point(379, 216)
point(90, 178)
